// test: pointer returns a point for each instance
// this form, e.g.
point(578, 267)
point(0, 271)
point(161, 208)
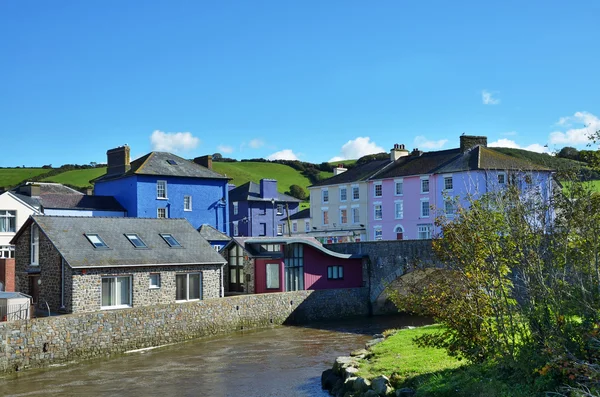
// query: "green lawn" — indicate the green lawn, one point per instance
point(10, 177)
point(594, 186)
point(79, 178)
point(245, 171)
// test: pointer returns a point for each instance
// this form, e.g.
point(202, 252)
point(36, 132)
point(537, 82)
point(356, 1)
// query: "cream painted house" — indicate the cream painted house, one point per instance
point(14, 211)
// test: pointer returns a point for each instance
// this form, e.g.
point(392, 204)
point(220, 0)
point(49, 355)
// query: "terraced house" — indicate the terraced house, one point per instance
point(74, 264)
point(163, 185)
point(405, 199)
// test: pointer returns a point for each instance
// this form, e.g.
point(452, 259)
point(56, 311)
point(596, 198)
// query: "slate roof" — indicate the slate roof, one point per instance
point(304, 214)
point(355, 174)
point(452, 160)
point(31, 201)
point(250, 191)
point(165, 164)
point(212, 234)
point(67, 234)
point(80, 202)
point(247, 242)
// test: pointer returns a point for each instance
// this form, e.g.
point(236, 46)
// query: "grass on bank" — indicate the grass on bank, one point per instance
point(431, 372)
point(10, 177)
point(79, 178)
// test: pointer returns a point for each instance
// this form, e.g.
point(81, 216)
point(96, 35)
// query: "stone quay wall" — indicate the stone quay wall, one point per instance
point(51, 340)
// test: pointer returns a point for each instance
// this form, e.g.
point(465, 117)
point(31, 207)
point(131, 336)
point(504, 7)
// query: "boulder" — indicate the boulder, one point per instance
point(328, 379)
point(360, 353)
point(405, 392)
point(370, 393)
point(337, 387)
point(343, 362)
point(378, 336)
point(381, 385)
point(361, 385)
point(350, 372)
point(373, 342)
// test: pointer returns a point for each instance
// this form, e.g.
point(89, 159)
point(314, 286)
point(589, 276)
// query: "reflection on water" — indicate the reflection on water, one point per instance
point(280, 361)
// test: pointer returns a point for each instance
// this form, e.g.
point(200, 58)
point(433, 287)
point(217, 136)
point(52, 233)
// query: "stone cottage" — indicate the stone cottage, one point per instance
point(75, 264)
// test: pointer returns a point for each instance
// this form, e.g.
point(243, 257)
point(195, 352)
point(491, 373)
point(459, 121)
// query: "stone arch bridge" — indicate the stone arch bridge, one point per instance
point(386, 262)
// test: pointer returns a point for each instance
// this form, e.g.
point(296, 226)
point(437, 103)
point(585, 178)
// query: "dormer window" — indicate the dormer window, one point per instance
point(169, 239)
point(96, 241)
point(135, 240)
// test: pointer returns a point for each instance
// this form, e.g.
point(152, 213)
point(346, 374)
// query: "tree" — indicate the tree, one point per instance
point(217, 157)
point(568, 152)
point(297, 192)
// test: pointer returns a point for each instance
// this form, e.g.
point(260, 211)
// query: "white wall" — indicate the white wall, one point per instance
point(11, 203)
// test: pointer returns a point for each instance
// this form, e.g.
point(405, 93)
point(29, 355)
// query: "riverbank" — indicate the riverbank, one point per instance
point(395, 366)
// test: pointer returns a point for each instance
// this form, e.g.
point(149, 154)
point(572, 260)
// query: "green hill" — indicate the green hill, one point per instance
point(244, 171)
point(10, 177)
point(78, 178)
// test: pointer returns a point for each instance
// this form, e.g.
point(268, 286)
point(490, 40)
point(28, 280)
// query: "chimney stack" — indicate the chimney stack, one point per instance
point(205, 161)
point(416, 152)
point(30, 189)
point(268, 189)
point(340, 169)
point(118, 160)
point(397, 152)
point(468, 142)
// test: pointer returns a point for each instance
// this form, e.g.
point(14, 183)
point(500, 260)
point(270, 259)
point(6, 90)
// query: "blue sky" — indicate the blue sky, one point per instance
point(311, 80)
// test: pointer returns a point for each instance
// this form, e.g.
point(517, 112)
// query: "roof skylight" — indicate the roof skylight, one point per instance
point(169, 239)
point(135, 240)
point(172, 162)
point(96, 241)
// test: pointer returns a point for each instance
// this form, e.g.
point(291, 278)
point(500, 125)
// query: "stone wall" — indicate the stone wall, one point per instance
point(51, 340)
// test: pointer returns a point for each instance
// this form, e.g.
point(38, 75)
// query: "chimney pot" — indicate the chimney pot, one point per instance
point(397, 152)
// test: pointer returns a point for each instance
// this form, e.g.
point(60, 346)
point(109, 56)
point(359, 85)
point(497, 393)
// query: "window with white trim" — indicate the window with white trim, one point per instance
point(272, 270)
point(161, 212)
point(279, 209)
point(325, 217)
point(280, 229)
point(448, 184)
point(116, 292)
point(7, 251)
point(377, 212)
point(355, 193)
point(236, 208)
point(335, 272)
point(378, 234)
point(424, 231)
point(187, 203)
point(355, 215)
point(502, 178)
point(35, 245)
point(188, 287)
point(449, 208)
point(425, 185)
point(161, 189)
point(424, 208)
point(343, 194)
point(378, 189)
point(295, 227)
point(8, 221)
point(399, 209)
point(154, 279)
point(399, 230)
point(325, 195)
point(399, 187)
point(343, 216)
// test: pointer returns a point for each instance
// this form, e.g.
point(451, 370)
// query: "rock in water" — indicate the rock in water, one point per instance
point(361, 384)
point(381, 385)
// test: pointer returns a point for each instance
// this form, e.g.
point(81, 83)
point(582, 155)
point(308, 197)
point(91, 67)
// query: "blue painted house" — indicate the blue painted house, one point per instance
point(163, 185)
point(257, 209)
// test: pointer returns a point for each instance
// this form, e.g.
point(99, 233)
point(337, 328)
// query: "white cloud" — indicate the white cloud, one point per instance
point(488, 98)
point(357, 148)
point(285, 154)
point(173, 141)
point(225, 149)
point(576, 136)
point(536, 147)
point(256, 143)
point(510, 133)
point(423, 143)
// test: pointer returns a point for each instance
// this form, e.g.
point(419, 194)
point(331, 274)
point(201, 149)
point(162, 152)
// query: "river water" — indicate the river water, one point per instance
point(279, 361)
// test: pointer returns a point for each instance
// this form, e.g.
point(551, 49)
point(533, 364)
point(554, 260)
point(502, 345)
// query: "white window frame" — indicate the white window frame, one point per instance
point(166, 213)
point(424, 228)
point(399, 214)
point(154, 281)
point(375, 186)
point(187, 289)
point(377, 207)
point(422, 181)
point(398, 182)
point(325, 216)
point(162, 183)
point(449, 204)
point(294, 226)
point(324, 195)
point(345, 190)
point(187, 203)
point(355, 214)
point(342, 210)
point(357, 189)
point(236, 208)
point(236, 230)
point(279, 209)
point(445, 179)
point(503, 174)
point(120, 306)
point(5, 217)
point(377, 231)
point(280, 229)
point(402, 231)
point(35, 245)
point(423, 207)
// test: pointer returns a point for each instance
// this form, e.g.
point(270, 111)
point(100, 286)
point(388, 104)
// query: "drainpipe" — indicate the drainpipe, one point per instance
point(62, 283)
point(221, 282)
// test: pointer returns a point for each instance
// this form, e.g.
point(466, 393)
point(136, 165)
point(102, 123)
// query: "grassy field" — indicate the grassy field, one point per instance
point(545, 160)
point(79, 178)
point(10, 177)
point(245, 171)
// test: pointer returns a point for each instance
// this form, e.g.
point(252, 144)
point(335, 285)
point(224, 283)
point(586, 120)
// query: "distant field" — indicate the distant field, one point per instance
point(245, 171)
point(79, 178)
point(345, 162)
point(10, 177)
point(594, 186)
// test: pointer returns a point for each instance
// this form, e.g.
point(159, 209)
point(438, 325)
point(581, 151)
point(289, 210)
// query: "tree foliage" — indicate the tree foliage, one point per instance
point(297, 192)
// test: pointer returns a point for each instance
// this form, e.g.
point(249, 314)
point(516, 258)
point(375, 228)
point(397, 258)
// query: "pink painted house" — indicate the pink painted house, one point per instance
point(266, 264)
point(406, 198)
